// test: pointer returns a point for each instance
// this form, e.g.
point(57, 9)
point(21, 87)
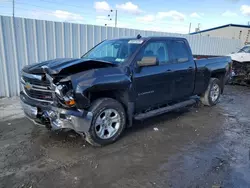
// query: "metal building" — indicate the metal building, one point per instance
point(231, 31)
point(27, 41)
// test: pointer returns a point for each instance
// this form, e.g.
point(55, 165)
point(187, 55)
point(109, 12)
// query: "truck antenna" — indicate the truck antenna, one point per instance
point(138, 36)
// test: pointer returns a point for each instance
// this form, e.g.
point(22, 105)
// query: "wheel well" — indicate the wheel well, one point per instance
point(119, 95)
point(220, 76)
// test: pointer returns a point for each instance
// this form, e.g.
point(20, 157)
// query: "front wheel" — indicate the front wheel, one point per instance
point(213, 92)
point(108, 122)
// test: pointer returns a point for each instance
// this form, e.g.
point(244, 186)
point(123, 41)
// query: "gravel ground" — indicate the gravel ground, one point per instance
point(195, 147)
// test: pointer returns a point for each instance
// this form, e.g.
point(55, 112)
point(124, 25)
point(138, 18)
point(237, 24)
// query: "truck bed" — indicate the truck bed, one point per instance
point(213, 63)
point(207, 67)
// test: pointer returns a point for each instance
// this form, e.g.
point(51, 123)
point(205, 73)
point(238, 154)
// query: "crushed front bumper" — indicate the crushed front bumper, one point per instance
point(56, 118)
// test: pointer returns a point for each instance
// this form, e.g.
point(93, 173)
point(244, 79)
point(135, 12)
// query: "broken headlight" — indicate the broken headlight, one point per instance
point(61, 90)
point(65, 95)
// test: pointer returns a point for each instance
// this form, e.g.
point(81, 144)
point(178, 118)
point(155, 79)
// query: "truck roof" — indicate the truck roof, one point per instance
point(150, 37)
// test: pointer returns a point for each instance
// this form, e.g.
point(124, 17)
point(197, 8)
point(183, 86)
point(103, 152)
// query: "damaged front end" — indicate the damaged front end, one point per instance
point(240, 73)
point(57, 94)
point(50, 102)
point(55, 118)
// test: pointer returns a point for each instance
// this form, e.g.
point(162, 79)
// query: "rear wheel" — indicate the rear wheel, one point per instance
point(212, 94)
point(108, 122)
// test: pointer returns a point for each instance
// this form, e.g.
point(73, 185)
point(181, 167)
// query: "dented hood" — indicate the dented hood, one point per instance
point(65, 66)
point(240, 57)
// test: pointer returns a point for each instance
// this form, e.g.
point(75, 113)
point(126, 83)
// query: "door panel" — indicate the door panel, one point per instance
point(153, 86)
point(184, 77)
point(153, 83)
point(184, 69)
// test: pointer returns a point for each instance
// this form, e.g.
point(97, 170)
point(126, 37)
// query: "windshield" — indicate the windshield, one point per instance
point(114, 51)
point(245, 49)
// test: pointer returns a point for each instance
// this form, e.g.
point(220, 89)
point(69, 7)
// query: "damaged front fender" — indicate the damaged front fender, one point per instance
point(98, 80)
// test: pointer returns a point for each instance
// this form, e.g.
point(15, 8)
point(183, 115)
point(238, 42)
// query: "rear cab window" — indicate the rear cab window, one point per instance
point(180, 53)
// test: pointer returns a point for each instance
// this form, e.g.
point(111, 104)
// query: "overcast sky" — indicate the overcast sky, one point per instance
point(158, 15)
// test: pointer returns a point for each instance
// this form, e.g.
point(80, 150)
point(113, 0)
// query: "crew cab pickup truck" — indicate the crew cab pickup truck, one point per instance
point(117, 82)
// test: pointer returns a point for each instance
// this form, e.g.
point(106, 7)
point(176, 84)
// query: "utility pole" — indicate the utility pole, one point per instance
point(13, 5)
point(198, 29)
point(115, 18)
point(189, 28)
point(110, 18)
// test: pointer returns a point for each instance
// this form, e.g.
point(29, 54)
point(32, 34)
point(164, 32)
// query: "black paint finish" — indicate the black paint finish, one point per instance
point(145, 86)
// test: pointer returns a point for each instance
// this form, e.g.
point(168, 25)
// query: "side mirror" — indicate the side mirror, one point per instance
point(147, 61)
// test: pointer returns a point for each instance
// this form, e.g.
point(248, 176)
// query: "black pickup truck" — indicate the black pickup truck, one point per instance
point(118, 81)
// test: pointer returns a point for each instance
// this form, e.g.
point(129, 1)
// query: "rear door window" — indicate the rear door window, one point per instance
point(180, 52)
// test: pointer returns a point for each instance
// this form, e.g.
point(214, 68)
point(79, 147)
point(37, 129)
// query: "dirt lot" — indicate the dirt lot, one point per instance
point(197, 147)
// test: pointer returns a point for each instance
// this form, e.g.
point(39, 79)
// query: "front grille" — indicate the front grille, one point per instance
point(34, 81)
point(36, 87)
point(39, 94)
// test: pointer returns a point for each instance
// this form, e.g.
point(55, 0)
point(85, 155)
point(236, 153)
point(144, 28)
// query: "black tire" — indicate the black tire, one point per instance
point(97, 107)
point(206, 98)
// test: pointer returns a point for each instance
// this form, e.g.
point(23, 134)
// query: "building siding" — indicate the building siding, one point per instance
point(230, 32)
point(27, 41)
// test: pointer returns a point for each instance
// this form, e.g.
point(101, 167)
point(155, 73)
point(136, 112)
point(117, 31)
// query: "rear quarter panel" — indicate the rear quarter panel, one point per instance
point(208, 67)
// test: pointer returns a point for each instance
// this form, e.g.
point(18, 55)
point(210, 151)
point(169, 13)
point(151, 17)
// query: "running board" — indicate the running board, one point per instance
point(165, 109)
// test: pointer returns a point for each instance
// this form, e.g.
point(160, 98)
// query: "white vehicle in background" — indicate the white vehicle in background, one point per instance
point(243, 55)
point(241, 67)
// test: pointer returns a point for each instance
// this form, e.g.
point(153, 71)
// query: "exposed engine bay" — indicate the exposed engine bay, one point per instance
point(240, 73)
point(241, 67)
